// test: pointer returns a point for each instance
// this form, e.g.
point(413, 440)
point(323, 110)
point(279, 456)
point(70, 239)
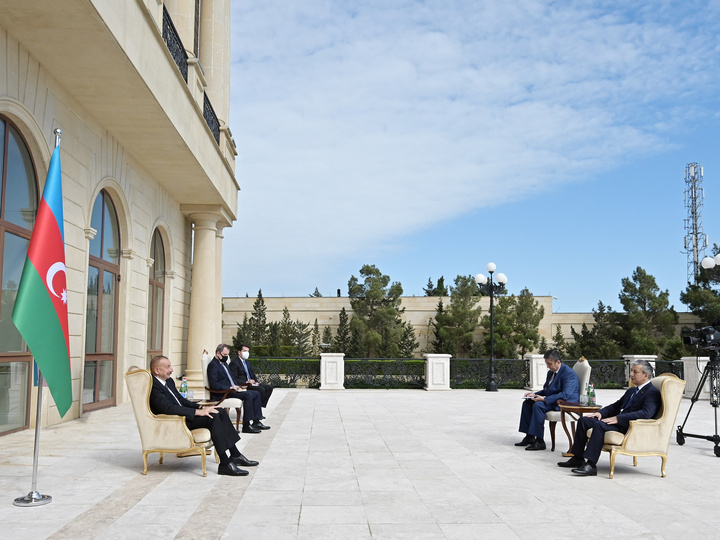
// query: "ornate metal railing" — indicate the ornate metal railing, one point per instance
point(211, 118)
point(473, 372)
point(289, 372)
point(391, 373)
point(384, 373)
point(174, 44)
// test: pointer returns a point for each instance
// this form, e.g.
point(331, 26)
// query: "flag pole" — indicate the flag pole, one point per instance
point(34, 498)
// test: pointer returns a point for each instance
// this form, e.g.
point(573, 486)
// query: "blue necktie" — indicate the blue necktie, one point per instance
point(232, 383)
point(635, 391)
point(247, 373)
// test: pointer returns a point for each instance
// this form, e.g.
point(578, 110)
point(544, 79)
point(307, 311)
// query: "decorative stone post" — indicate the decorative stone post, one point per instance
point(693, 368)
point(332, 371)
point(630, 358)
point(538, 371)
point(437, 371)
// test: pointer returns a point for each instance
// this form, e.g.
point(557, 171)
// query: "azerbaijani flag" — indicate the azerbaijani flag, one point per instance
point(40, 312)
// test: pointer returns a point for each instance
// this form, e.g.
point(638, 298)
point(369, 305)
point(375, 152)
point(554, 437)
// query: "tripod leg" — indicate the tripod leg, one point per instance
point(693, 400)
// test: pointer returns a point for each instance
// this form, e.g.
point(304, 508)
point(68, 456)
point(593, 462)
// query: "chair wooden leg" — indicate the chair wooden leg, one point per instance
point(145, 463)
point(612, 463)
point(203, 458)
point(662, 464)
point(552, 435)
point(238, 412)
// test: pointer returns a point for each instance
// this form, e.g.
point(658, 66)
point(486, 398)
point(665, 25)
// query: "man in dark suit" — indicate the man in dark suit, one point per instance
point(165, 399)
point(219, 378)
point(561, 383)
point(242, 371)
point(643, 400)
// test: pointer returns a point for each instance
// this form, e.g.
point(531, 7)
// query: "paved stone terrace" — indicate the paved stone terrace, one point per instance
point(356, 465)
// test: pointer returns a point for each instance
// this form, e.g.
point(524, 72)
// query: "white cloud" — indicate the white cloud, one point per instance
point(360, 122)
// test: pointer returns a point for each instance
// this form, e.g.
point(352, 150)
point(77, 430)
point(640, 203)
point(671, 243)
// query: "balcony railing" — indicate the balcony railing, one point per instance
point(211, 118)
point(174, 44)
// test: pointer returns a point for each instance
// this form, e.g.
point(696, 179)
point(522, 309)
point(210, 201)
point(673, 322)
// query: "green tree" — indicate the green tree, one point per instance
point(287, 329)
point(327, 338)
point(408, 342)
point(376, 306)
point(440, 343)
point(315, 340)
point(258, 320)
point(598, 342)
point(505, 315)
point(559, 342)
point(316, 294)
point(432, 290)
point(243, 336)
point(703, 297)
point(274, 347)
point(301, 338)
point(649, 320)
point(543, 347)
point(455, 327)
point(341, 342)
point(528, 314)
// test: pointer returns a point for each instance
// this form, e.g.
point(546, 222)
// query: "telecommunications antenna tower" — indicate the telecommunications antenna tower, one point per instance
point(695, 239)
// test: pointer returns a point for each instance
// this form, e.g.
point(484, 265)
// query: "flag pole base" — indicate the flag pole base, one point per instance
point(32, 499)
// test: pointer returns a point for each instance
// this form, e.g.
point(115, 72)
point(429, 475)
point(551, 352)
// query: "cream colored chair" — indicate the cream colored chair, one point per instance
point(649, 437)
point(227, 404)
point(162, 433)
point(582, 369)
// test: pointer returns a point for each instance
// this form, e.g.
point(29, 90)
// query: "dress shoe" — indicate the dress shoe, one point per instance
point(257, 424)
point(242, 460)
point(250, 429)
point(573, 462)
point(539, 444)
point(586, 470)
point(231, 470)
point(528, 439)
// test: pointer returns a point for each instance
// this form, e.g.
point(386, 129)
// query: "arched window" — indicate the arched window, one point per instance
point(101, 308)
point(18, 208)
point(156, 296)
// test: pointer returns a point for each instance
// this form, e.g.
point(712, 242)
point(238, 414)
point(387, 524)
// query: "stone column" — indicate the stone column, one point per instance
point(215, 54)
point(332, 371)
point(437, 371)
point(182, 13)
point(630, 358)
point(202, 327)
point(538, 371)
point(693, 368)
point(218, 279)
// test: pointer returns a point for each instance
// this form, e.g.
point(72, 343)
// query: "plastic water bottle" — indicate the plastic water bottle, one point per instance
point(183, 387)
point(591, 395)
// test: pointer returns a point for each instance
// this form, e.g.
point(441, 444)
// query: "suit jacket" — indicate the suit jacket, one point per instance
point(162, 401)
point(565, 386)
point(645, 404)
point(218, 378)
point(238, 372)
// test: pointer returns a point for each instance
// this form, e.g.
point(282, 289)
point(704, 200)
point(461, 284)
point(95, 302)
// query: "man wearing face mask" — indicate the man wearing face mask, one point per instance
point(242, 371)
point(219, 378)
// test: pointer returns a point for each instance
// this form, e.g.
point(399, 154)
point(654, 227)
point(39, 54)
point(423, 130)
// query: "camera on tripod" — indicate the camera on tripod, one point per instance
point(707, 337)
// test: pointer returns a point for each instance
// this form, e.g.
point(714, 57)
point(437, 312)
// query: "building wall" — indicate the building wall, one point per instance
point(103, 147)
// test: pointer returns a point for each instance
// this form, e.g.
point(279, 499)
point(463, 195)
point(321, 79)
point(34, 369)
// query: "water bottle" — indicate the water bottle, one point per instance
point(183, 387)
point(584, 396)
point(591, 395)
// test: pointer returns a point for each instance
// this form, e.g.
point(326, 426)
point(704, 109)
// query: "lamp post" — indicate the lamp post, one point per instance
point(488, 287)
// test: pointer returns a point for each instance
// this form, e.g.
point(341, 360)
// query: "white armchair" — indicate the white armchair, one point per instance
point(582, 369)
point(649, 437)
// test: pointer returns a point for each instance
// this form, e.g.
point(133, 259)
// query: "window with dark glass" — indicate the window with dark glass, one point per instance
point(18, 208)
point(156, 296)
point(101, 306)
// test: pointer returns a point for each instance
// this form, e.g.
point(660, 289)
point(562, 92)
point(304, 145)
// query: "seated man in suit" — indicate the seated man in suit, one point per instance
point(165, 399)
point(643, 400)
point(561, 383)
point(242, 371)
point(219, 378)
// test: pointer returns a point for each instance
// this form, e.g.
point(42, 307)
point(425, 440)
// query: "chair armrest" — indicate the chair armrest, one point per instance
point(645, 435)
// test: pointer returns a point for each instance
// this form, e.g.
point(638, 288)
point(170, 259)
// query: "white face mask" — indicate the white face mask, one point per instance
point(245, 355)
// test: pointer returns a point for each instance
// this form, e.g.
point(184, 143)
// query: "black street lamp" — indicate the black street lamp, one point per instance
point(488, 287)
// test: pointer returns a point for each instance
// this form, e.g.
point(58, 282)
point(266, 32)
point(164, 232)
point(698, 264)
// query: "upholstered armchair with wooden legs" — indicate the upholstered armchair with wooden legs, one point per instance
point(649, 437)
point(582, 369)
point(162, 433)
point(225, 402)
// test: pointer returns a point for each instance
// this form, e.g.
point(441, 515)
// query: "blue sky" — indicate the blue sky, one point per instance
point(430, 138)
